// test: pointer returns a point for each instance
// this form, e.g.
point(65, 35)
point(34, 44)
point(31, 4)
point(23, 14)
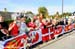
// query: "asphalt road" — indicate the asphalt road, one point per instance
point(65, 43)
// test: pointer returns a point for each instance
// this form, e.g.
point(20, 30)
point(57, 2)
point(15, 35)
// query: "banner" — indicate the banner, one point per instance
point(16, 42)
point(36, 36)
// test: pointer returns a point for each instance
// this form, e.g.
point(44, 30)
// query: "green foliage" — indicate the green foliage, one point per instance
point(29, 12)
point(66, 14)
point(8, 21)
point(28, 20)
point(43, 11)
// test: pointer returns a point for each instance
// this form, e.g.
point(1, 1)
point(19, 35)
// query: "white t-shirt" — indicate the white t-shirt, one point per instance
point(23, 28)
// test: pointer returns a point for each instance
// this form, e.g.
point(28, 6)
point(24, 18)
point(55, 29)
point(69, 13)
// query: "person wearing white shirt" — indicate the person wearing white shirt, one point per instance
point(23, 27)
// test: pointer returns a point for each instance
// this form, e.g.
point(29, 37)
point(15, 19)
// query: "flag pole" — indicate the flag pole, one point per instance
point(62, 7)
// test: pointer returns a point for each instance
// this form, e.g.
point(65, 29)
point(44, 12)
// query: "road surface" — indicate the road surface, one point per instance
point(67, 42)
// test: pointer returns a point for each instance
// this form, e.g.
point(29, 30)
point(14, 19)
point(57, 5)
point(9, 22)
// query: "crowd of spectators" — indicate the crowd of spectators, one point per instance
point(19, 25)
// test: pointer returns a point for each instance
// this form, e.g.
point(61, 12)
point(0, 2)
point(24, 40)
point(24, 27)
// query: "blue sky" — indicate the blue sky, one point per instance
point(32, 5)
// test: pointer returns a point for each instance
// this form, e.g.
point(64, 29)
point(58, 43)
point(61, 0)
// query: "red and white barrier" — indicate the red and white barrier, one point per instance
point(44, 35)
point(35, 36)
point(68, 28)
point(16, 42)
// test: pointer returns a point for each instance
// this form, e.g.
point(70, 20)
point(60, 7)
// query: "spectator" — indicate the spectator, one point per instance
point(14, 27)
point(49, 22)
point(18, 21)
point(31, 24)
point(54, 22)
point(39, 24)
point(23, 26)
point(69, 21)
point(3, 28)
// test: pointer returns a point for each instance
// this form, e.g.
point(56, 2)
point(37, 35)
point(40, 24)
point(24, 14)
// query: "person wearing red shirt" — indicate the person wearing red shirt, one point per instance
point(32, 24)
point(14, 28)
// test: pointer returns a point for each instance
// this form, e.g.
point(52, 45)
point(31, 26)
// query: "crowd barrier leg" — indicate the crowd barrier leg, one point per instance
point(56, 36)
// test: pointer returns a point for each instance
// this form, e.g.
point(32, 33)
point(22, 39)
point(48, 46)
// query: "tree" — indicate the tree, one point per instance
point(5, 9)
point(66, 14)
point(43, 11)
point(73, 13)
point(29, 13)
